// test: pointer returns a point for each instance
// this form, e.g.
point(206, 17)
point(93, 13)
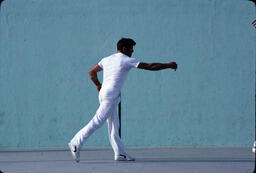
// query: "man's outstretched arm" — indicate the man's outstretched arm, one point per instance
point(93, 75)
point(157, 66)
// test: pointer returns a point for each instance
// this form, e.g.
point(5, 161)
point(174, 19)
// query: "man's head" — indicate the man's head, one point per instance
point(125, 45)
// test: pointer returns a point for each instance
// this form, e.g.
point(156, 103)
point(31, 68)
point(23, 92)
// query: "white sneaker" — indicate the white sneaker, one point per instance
point(75, 152)
point(124, 157)
point(254, 147)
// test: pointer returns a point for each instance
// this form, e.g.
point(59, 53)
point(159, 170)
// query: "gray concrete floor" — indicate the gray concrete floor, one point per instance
point(148, 160)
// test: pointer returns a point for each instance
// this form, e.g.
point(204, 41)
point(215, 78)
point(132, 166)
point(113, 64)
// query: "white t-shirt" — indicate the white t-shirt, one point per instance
point(115, 69)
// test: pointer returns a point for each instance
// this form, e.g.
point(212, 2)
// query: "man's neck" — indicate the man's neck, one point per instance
point(122, 53)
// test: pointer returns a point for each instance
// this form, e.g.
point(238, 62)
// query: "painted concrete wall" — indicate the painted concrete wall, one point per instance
point(47, 47)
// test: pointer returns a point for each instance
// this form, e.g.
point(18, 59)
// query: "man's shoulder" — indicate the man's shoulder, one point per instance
point(109, 56)
point(107, 59)
point(120, 56)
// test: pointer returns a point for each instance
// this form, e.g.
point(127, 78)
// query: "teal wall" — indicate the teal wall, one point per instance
point(47, 47)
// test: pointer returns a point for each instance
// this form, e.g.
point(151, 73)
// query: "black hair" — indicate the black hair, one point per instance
point(125, 42)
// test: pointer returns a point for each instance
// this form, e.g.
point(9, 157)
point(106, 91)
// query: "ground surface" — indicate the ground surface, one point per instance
point(148, 160)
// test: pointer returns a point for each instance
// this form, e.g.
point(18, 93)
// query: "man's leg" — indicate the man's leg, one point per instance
point(113, 126)
point(104, 110)
point(114, 138)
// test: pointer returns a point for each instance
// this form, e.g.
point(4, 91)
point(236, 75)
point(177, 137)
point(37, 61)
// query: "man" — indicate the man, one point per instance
point(115, 69)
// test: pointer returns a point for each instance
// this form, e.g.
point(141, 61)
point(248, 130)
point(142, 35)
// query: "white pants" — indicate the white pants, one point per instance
point(106, 111)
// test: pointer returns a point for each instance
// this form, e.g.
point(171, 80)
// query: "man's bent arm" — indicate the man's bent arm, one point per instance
point(93, 75)
point(157, 66)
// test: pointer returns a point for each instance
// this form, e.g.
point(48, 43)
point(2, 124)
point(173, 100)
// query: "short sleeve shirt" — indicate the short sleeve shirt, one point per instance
point(115, 70)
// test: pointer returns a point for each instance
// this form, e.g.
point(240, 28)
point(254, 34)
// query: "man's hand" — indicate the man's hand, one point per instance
point(173, 65)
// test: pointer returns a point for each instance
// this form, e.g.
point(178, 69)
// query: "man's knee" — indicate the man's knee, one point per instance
point(97, 122)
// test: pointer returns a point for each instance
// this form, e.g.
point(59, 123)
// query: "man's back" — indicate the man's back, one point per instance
point(115, 70)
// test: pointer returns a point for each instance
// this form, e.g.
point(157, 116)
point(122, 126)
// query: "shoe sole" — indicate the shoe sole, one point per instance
point(123, 159)
point(73, 153)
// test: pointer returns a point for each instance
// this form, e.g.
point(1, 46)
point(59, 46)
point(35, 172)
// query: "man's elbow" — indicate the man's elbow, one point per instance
point(150, 67)
point(91, 73)
point(145, 66)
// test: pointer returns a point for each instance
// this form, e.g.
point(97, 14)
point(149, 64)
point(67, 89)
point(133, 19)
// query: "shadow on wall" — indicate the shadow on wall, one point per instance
point(253, 1)
point(254, 22)
point(1, 2)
